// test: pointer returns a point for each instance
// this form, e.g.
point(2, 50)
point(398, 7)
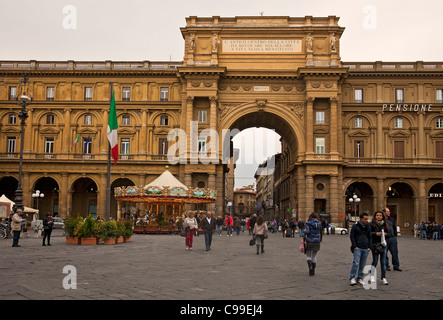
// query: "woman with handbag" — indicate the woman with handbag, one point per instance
point(260, 233)
point(191, 225)
point(313, 235)
point(379, 233)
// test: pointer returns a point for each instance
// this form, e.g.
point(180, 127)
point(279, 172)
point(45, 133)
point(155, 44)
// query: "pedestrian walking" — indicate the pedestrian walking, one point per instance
point(229, 223)
point(219, 223)
point(361, 241)
point(237, 225)
point(17, 226)
point(392, 245)
point(313, 236)
point(301, 226)
point(48, 224)
point(208, 225)
point(252, 222)
point(379, 228)
point(260, 232)
point(190, 224)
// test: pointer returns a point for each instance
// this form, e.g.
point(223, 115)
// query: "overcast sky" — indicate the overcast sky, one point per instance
point(135, 30)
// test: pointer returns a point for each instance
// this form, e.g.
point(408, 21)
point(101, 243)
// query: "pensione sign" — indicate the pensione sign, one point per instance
point(400, 107)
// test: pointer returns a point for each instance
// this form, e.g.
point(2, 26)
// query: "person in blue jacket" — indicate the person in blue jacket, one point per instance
point(312, 234)
point(361, 243)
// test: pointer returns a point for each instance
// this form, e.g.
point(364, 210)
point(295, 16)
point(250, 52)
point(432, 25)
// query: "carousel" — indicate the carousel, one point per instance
point(160, 206)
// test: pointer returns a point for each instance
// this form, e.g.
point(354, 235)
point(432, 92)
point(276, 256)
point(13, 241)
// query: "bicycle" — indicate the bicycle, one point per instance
point(5, 231)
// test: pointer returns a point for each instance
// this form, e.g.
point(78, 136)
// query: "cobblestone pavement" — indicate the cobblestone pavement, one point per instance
point(157, 267)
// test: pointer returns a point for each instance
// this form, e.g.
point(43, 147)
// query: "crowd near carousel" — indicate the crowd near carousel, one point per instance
point(162, 204)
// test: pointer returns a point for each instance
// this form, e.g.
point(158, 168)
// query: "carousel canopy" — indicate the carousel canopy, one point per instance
point(165, 188)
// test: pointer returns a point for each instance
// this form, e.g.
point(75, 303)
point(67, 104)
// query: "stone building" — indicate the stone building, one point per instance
point(370, 128)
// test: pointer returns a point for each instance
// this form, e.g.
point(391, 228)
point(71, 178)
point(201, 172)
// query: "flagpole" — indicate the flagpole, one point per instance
point(108, 175)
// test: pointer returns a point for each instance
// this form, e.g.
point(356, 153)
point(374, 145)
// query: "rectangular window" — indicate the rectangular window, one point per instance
point(439, 149)
point(398, 122)
point(88, 119)
point(87, 144)
point(164, 120)
point(12, 93)
point(126, 94)
point(399, 149)
point(12, 119)
point(439, 95)
point(359, 149)
point(126, 120)
point(11, 145)
point(50, 119)
point(358, 123)
point(88, 94)
point(202, 116)
point(358, 96)
point(399, 96)
point(163, 146)
point(125, 146)
point(439, 123)
point(49, 145)
point(320, 117)
point(164, 94)
point(50, 93)
point(201, 144)
point(319, 145)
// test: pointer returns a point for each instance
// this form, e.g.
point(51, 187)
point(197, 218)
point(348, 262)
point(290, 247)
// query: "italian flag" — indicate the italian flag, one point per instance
point(112, 129)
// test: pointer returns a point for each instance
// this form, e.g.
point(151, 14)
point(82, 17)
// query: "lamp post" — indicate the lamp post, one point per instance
point(354, 199)
point(37, 195)
point(24, 99)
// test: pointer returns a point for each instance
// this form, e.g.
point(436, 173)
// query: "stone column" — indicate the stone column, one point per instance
point(381, 192)
point(105, 142)
point(421, 136)
point(28, 132)
point(309, 195)
point(334, 124)
point(422, 210)
point(309, 125)
point(143, 134)
point(67, 131)
point(101, 197)
point(379, 135)
point(63, 198)
point(333, 198)
point(189, 119)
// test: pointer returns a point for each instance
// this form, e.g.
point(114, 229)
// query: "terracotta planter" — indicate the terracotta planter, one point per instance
point(109, 241)
point(127, 239)
point(119, 240)
point(72, 240)
point(88, 241)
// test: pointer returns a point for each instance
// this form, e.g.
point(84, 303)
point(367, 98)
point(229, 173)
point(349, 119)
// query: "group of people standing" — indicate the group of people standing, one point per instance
point(18, 223)
point(428, 230)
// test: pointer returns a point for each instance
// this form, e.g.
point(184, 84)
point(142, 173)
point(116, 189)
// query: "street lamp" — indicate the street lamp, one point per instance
point(354, 199)
point(24, 99)
point(37, 195)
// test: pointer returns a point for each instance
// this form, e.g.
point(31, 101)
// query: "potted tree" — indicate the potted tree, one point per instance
point(70, 229)
point(88, 232)
point(120, 231)
point(129, 230)
point(108, 231)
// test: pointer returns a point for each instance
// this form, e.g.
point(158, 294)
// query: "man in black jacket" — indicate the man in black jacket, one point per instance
point(208, 225)
point(361, 241)
point(391, 242)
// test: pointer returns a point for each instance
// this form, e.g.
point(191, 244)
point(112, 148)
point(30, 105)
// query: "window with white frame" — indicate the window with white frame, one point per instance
point(88, 119)
point(439, 95)
point(50, 119)
point(399, 96)
point(358, 95)
point(164, 120)
point(164, 94)
point(50, 93)
point(358, 122)
point(439, 123)
point(126, 120)
point(398, 122)
point(125, 146)
point(202, 144)
point(10, 145)
point(320, 117)
point(12, 119)
point(12, 93)
point(88, 94)
point(319, 145)
point(87, 144)
point(126, 94)
point(202, 116)
point(162, 146)
point(49, 145)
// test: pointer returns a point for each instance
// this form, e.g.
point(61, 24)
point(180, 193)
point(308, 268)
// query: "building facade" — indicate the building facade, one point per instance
point(370, 128)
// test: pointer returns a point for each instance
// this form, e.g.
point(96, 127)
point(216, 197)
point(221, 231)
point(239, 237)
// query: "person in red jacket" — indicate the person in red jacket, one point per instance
point(229, 223)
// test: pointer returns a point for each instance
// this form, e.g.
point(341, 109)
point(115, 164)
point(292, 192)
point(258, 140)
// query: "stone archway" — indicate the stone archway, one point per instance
point(84, 198)
point(120, 182)
point(400, 201)
point(50, 202)
point(364, 192)
point(8, 186)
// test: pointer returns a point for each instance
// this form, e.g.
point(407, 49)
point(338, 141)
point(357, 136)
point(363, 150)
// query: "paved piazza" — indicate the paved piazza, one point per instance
point(157, 267)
